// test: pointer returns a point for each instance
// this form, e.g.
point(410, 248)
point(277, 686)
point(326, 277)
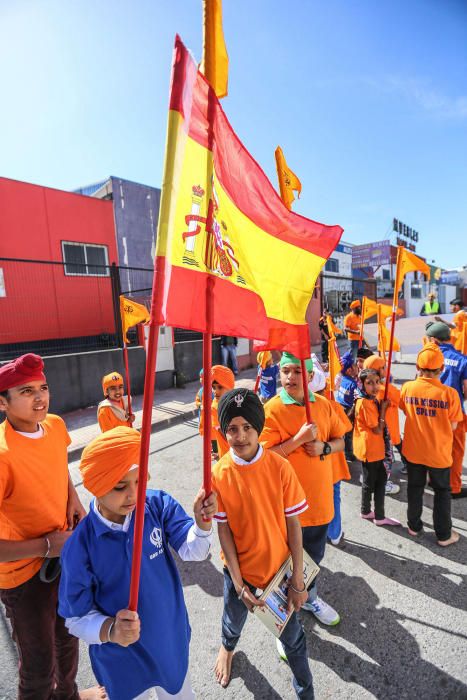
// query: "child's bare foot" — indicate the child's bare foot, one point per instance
point(223, 667)
point(452, 540)
point(95, 693)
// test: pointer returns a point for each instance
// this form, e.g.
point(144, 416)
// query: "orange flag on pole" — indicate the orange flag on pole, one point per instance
point(384, 335)
point(407, 262)
point(132, 314)
point(335, 364)
point(333, 329)
point(215, 62)
point(288, 181)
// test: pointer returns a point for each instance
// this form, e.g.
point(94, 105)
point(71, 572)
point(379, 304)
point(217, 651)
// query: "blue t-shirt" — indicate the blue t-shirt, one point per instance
point(268, 381)
point(455, 369)
point(96, 568)
point(346, 392)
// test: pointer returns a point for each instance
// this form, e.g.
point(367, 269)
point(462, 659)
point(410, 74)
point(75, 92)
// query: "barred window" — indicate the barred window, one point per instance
point(85, 259)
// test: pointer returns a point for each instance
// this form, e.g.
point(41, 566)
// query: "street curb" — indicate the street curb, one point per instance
point(161, 424)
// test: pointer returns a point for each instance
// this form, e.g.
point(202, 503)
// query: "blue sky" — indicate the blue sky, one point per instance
point(367, 99)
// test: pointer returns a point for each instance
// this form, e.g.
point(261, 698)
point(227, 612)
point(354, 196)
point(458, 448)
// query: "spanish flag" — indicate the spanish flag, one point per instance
point(131, 314)
point(288, 181)
point(221, 221)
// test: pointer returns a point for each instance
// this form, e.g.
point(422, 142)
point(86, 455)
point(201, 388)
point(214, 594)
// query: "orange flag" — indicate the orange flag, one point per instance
point(407, 262)
point(384, 335)
point(215, 63)
point(335, 365)
point(132, 314)
point(462, 345)
point(333, 329)
point(370, 309)
point(288, 181)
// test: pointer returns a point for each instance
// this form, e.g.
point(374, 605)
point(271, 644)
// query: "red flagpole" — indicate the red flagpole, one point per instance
point(258, 379)
point(393, 324)
point(360, 340)
point(149, 380)
point(207, 383)
point(128, 385)
point(306, 393)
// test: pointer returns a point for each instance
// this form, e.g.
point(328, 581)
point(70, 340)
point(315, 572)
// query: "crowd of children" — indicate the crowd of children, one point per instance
point(276, 492)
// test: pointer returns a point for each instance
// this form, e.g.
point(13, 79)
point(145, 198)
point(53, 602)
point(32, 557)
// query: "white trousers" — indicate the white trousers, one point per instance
point(158, 693)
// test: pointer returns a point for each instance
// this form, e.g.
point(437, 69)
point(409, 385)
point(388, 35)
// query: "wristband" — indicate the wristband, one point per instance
point(240, 595)
point(296, 589)
point(47, 541)
point(282, 450)
point(111, 626)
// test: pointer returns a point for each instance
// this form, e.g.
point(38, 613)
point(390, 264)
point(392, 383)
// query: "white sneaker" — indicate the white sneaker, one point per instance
point(361, 478)
point(322, 611)
point(336, 541)
point(280, 649)
point(391, 488)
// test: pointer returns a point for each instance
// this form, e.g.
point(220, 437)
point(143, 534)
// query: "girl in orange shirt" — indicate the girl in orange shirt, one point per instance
point(370, 437)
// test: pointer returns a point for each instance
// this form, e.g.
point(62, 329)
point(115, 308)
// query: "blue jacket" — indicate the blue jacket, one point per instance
point(455, 369)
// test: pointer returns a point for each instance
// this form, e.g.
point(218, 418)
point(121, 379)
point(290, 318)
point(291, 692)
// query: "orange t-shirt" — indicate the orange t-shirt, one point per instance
point(430, 408)
point(255, 498)
point(222, 444)
point(459, 319)
point(392, 412)
point(340, 468)
point(353, 321)
point(33, 491)
point(315, 474)
point(367, 446)
point(107, 418)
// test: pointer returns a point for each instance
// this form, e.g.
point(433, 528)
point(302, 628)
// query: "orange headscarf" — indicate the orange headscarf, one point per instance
point(355, 304)
point(430, 357)
point(108, 458)
point(374, 362)
point(223, 376)
point(110, 379)
point(262, 358)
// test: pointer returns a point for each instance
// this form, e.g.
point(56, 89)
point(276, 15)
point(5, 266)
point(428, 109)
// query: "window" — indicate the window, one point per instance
point(332, 265)
point(386, 275)
point(85, 259)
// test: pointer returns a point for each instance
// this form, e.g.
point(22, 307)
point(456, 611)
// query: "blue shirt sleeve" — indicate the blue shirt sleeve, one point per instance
point(176, 522)
point(77, 582)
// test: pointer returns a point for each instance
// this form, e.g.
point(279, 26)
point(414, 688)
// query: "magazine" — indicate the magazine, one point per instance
point(274, 614)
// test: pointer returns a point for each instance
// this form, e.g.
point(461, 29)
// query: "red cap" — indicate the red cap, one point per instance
point(27, 368)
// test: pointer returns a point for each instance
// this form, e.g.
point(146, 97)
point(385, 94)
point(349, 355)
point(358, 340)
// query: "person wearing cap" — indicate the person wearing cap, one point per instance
point(432, 411)
point(269, 374)
point(430, 306)
point(308, 448)
point(345, 396)
point(352, 323)
point(340, 469)
point(113, 410)
point(259, 503)
point(378, 364)
point(223, 380)
point(131, 652)
point(38, 509)
point(454, 375)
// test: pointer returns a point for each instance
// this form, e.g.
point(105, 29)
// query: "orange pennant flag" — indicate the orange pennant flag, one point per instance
point(384, 335)
point(215, 62)
point(335, 365)
point(461, 342)
point(288, 181)
point(333, 329)
point(407, 262)
point(132, 314)
point(370, 309)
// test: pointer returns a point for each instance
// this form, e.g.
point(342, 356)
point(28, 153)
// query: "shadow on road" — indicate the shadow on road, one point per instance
point(201, 573)
point(393, 667)
point(253, 680)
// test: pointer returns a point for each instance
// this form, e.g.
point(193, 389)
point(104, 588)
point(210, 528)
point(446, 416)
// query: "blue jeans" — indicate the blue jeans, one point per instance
point(354, 348)
point(314, 544)
point(335, 526)
point(229, 351)
point(292, 638)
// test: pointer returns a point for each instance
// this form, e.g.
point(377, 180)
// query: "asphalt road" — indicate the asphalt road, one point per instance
point(403, 604)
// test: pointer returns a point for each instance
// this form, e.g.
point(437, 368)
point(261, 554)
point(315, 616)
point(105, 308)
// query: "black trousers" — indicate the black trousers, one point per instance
point(440, 483)
point(374, 484)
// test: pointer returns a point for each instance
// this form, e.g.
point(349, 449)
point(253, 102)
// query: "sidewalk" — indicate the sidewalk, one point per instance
point(171, 406)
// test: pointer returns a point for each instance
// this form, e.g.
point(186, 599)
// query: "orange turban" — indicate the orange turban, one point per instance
point(430, 357)
point(109, 379)
point(108, 458)
point(374, 362)
point(263, 358)
point(223, 376)
point(355, 304)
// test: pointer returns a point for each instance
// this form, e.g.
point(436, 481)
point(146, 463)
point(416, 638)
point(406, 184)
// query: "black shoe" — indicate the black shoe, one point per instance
point(461, 494)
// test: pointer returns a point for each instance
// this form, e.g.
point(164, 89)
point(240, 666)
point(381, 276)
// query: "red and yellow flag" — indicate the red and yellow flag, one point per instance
point(221, 220)
point(407, 262)
point(288, 181)
point(131, 314)
point(215, 62)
